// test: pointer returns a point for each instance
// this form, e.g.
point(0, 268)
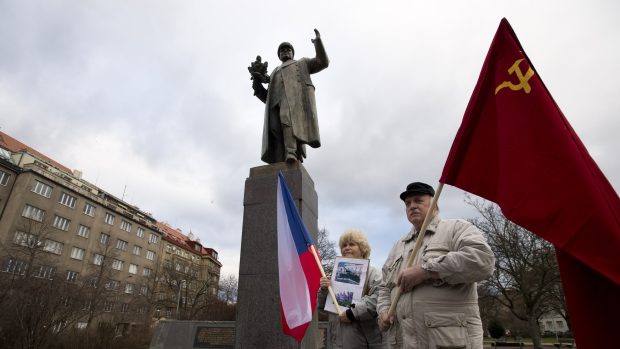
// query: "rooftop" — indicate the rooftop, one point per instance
point(12, 144)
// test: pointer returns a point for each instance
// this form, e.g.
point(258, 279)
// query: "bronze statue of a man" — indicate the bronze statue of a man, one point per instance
point(290, 107)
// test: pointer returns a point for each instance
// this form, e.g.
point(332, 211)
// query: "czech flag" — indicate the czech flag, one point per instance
point(299, 273)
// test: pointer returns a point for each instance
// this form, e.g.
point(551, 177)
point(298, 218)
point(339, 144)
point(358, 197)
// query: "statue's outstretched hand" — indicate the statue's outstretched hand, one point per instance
point(317, 35)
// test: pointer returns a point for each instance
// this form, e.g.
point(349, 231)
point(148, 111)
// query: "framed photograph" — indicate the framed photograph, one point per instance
point(347, 281)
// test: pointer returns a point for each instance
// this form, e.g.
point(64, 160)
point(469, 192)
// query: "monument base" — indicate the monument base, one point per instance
point(259, 322)
point(176, 334)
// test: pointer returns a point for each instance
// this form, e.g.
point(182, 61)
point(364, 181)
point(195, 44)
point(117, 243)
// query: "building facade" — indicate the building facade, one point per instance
point(190, 275)
point(55, 225)
point(553, 323)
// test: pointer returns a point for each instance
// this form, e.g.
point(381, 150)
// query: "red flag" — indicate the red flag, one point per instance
point(516, 148)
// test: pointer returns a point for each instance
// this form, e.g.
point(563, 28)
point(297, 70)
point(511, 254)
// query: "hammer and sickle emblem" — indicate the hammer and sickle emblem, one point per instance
point(523, 79)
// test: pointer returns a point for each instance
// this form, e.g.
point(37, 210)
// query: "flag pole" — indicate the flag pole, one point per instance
point(418, 244)
point(329, 288)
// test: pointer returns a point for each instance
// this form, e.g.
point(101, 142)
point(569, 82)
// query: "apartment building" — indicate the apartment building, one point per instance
point(81, 229)
point(191, 273)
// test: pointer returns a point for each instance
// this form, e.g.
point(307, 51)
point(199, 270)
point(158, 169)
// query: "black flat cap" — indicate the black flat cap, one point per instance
point(417, 188)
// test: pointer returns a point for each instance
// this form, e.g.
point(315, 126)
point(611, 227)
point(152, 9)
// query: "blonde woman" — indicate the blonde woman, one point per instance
point(357, 326)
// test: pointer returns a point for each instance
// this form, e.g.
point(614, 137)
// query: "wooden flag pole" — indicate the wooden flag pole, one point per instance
point(418, 244)
point(331, 291)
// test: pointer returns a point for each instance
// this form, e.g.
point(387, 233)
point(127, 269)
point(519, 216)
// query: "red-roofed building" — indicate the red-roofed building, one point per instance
point(188, 263)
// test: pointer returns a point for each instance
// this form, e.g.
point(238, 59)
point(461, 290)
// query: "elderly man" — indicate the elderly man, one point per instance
point(290, 107)
point(438, 307)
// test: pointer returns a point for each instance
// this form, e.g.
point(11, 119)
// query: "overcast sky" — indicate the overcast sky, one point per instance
point(153, 98)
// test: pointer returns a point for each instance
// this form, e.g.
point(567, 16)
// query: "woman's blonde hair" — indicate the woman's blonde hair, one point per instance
point(356, 236)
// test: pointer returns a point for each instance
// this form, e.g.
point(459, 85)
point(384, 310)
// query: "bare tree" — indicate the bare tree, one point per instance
point(228, 289)
point(557, 302)
point(526, 270)
point(38, 305)
point(29, 247)
point(182, 287)
point(99, 285)
point(327, 250)
point(149, 293)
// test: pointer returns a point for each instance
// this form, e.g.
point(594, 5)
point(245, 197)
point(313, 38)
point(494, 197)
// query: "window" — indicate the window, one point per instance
point(147, 271)
point(112, 285)
point(126, 226)
point(104, 238)
point(59, 326)
point(109, 218)
point(89, 209)
point(4, 178)
point(117, 264)
point(141, 310)
point(150, 255)
point(133, 269)
point(44, 272)
point(72, 276)
point(83, 231)
point(121, 244)
point(97, 259)
point(140, 232)
point(25, 239)
point(144, 290)
point(68, 200)
point(81, 325)
point(153, 239)
point(61, 223)
point(41, 189)
point(108, 306)
point(52, 246)
point(77, 253)
point(34, 213)
point(136, 250)
point(14, 266)
point(125, 307)
point(66, 301)
point(129, 288)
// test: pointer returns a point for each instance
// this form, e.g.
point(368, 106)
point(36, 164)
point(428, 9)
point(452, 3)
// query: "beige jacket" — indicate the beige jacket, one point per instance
point(440, 313)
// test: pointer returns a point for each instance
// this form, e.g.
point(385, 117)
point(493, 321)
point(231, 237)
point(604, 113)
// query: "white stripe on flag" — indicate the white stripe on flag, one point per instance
point(294, 294)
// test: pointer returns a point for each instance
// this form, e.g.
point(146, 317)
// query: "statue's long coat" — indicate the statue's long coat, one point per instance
point(291, 86)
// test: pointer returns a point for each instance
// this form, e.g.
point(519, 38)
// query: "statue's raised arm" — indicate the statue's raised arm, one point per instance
point(290, 107)
point(321, 61)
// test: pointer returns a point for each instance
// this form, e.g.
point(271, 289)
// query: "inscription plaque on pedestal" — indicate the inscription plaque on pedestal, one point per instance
point(214, 337)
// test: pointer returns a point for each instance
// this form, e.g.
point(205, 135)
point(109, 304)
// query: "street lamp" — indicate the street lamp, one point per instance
point(179, 296)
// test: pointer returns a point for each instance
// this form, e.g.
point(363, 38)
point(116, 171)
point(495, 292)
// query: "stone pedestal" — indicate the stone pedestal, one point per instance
point(259, 323)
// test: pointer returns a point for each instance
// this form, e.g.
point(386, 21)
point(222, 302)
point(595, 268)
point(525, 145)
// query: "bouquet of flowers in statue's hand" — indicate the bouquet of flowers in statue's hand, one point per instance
point(258, 70)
